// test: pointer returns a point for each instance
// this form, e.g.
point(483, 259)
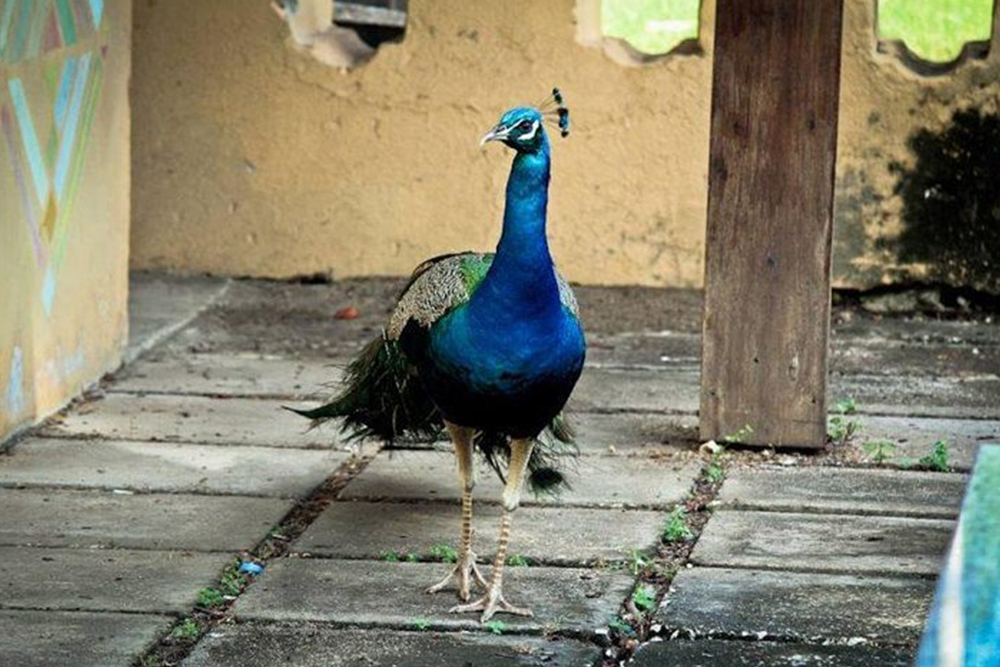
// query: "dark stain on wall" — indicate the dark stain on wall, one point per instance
point(951, 200)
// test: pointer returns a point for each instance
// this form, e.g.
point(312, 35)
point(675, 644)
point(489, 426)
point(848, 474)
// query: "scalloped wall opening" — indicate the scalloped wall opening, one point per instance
point(637, 32)
point(342, 33)
point(933, 37)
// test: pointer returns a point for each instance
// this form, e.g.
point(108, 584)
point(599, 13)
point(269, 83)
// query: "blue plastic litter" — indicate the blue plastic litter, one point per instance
point(248, 567)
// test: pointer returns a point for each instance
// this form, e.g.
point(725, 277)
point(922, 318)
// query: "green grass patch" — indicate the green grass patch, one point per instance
point(935, 30)
point(650, 26)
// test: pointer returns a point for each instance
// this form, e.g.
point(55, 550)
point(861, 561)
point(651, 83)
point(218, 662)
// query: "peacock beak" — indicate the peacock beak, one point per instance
point(498, 133)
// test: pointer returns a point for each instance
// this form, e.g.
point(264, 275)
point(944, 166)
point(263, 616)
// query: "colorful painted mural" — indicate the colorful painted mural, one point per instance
point(62, 261)
point(46, 123)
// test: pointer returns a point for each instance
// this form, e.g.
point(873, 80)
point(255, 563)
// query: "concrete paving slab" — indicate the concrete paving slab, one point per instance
point(372, 593)
point(555, 536)
point(637, 434)
point(914, 330)
point(268, 645)
point(159, 304)
point(915, 436)
point(676, 390)
point(167, 467)
point(224, 421)
point(847, 354)
point(64, 518)
point(290, 319)
point(845, 490)
point(799, 607)
point(245, 374)
point(827, 543)
point(596, 481)
point(973, 397)
point(716, 653)
point(105, 579)
point(80, 639)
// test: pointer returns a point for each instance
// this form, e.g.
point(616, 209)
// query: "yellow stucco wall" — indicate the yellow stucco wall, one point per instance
point(253, 159)
point(64, 204)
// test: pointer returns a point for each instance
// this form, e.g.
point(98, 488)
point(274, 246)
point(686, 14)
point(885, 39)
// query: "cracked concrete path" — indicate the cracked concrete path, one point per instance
point(120, 513)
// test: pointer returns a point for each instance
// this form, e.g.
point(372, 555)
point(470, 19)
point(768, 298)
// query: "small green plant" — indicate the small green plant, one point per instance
point(676, 528)
point(497, 627)
point(637, 562)
point(644, 598)
point(186, 629)
point(840, 429)
point(845, 406)
point(421, 624)
point(740, 436)
point(517, 561)
point(716, 472)
point(444, 552)
point(621, 626)
point(938, 458)
point(879, 451)
point(412, 558)
point(232, 581)
point(389, 556)
point(210, 597)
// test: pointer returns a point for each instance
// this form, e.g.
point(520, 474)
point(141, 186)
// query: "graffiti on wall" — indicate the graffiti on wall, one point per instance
point(52, 54)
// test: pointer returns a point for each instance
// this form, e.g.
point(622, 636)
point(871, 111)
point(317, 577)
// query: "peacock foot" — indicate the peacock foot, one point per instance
point(492, 602)
point(464, 571)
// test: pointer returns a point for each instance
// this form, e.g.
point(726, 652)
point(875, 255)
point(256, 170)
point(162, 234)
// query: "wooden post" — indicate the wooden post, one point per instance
point(770, 216)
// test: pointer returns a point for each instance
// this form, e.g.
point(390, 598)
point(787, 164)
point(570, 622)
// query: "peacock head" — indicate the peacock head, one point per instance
point(522, 128)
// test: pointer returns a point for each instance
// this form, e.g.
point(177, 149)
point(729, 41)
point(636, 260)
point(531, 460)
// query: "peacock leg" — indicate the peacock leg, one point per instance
point(465, 568)
point(493, 601)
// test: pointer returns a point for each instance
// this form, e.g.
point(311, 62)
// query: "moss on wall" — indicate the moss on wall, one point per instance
point(252, 159)
point(64, 181)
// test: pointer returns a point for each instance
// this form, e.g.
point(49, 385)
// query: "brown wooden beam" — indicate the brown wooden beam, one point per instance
point(770, 216)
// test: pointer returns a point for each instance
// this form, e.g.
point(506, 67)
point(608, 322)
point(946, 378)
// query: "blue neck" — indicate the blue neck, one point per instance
point(522, 277)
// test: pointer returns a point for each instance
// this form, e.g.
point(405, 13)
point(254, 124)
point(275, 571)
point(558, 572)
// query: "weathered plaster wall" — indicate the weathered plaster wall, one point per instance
point(882, 104)
point(64, 183)
point(250, 158)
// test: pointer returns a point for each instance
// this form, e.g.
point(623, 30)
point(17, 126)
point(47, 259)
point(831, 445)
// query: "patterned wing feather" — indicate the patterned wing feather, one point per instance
point(445, 282)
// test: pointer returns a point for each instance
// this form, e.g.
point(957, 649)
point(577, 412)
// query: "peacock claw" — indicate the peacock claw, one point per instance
point(464, 569)
point(492, 602)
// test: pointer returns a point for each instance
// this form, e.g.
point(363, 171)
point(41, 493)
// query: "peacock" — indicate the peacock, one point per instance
point(487, 346)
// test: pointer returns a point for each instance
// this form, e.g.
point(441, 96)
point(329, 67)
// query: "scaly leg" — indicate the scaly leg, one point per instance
point(466, 566)
point(493, 601)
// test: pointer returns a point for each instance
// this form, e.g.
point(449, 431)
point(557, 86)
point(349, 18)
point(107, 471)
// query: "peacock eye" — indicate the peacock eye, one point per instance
point(524, 125)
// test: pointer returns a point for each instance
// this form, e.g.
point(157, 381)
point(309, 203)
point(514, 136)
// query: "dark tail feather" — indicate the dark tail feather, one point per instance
point(381, 398)
point(555, 443)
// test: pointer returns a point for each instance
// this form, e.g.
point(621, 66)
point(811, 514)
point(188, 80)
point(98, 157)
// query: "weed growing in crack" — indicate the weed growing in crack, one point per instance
point(517, 561)
point(186, 629)
point(496, 627)
point(644, 598)
point(938, 458)
point(637, 562)
point(420, 624)
point(879, 451)
point(445, 553)
point(389, 556)
point(210, 597)
point(676, 528)
point(655, 571)
point(840, 429)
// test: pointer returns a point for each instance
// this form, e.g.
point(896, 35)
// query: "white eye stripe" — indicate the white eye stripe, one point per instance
point(529, 137)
